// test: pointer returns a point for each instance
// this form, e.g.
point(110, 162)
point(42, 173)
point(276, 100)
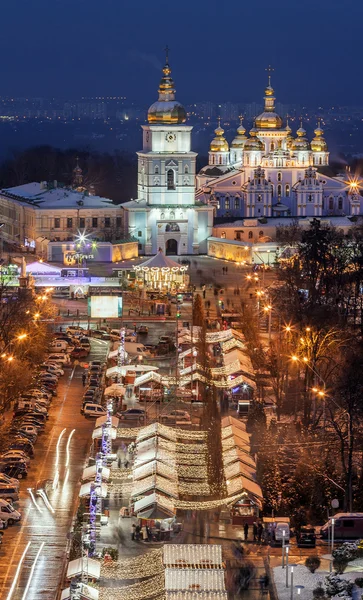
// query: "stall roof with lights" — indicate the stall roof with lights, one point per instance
point(160, 261)
point(42, 268)
point(77, 567)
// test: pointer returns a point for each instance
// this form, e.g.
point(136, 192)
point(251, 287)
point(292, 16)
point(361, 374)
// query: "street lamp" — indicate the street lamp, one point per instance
point(283, 549)
point(268, 309)
point(292, 581)
point(298, 588)
point(287, 548)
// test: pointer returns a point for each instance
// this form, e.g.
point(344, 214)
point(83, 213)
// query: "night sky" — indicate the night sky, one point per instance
point(219, 50)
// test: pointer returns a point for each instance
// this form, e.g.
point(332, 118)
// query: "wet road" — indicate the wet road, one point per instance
point(39, 524)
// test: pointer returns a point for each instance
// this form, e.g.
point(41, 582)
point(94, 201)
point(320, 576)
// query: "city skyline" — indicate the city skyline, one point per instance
point(111, 52)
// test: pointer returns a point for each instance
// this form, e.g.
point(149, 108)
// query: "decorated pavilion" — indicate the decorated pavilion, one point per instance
point(162, 273)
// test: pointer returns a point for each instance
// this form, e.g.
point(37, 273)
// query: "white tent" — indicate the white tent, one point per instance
point(89, 473)
point(102, 420)
point(194, 579)
point(97, 433)
point(86, 490)
point(188, 595)
point(79, 566)
point(123, 370)
point(42, 268)
point(193, 555)
point(87, 593)
point(115, 390)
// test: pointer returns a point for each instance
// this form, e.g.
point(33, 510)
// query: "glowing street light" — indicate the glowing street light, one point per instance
point(22, 336)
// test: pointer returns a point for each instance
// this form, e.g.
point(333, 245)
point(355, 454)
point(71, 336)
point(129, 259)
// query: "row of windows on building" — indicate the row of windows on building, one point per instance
point(81, 222)
point(234, 203)
point(238, 235)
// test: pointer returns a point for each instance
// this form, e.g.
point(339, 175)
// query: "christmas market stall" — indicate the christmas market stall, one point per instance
point(161, 273)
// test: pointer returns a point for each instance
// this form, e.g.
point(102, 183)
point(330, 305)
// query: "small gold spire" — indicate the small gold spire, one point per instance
point(269, 70)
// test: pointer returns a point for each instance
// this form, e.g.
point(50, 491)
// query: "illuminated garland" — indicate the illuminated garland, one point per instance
point(194, 489)
point(154, 482)
point(206, 504)
point(146, 565)
point(149, 588)
point(190, 472)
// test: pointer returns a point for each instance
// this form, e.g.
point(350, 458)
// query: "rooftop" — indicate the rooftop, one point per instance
point(41, 195)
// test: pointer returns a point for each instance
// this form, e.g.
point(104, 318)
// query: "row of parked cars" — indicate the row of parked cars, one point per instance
point(91, 402)
point(29, 419)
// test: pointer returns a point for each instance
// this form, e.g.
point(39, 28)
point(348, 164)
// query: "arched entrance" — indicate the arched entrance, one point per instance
point(171, 247)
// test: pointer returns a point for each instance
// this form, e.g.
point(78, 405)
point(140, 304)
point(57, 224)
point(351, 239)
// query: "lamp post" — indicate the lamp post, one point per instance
point(283, 549)
point(287, 565)
point(298, 589)
point(292, 581)
point(268, 309)
point(332, 536)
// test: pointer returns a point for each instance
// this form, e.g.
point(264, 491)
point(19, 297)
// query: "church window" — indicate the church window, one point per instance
point(186, 169)
point(279, 190)
point(220, 160)
point(94, 222)
point(107, 221)
point(272, 189)
point(272, 146)
point(171, 179)
point(303, 160)
point(279, 177)
point(310, 198)
point(287, 190)
point(259, 181)
point(322, 204)
point(320, 160)
point(57, 223)
point(139, 234)
point(118, 222)
point(260, 234)
point(279, 162)
point(69, 222)
point(82, 222)
point(156, 170)
point(247, 160)
point(259, 198)
point(340, 203)
point(250, 235)
point(236, 203)
point(223, 235)
point(226, 203)
point(172, 215)
point(331, 204)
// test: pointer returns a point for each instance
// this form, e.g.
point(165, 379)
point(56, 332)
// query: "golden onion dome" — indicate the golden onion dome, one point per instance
point(268, 120)
point(253, 143)
point(318, 143)
point(166, 110)
point(301, 142)
point(219, 142)
point(240, 139)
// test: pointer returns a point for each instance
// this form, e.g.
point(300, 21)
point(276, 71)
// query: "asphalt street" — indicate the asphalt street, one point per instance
point(49, 524)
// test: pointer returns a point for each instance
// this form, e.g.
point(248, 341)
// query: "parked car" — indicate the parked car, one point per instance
point(59, 357)
point(93, 410)
point(176, 415)
point(9, 492)
point(11, 455)
point(75, 329)
point(5, 480)
point(8, 513)
point(347, 526)
point(52, 368)
point(142, 329)
point(79, 352)
point(85, 343)
point(24, 445)
point(15, 469)
point(132, 413)
point(29, 429)
point(306, 538)
point(96, 333)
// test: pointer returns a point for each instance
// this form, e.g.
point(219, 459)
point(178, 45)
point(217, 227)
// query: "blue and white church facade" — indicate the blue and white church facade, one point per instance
point(271, 173)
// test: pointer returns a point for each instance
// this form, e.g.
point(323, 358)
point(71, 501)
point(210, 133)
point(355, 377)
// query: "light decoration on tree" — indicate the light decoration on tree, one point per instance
point(139, 567)
point(194, 489)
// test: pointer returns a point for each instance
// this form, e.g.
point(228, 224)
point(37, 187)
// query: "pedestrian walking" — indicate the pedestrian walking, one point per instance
point(137, 532)
point(259, 532)
point(245, 529)
point(84, 378)
point(133, 531)
point(61, 328)
point(254, 531)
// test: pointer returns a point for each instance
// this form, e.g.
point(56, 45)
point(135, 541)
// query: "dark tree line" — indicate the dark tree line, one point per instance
point(113, 175)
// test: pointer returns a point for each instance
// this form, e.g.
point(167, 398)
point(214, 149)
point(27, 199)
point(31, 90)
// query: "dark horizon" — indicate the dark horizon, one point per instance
point(69, 50)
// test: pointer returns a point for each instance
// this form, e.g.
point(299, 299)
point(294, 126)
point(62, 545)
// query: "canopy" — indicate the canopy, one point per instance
point(123, 370)
point(155, 467)
point(160, 261)
point(183, 595)
point(197, 579)
point(153, 505)
point(90, 473)
point(242, 484)
point(234, 454)
point(193, 555)
point(154, 482)
point(86, 490)
point(102, 420)
point(79, 566)
point(41, 268)
point(115, 390)
point(228, 421)
point(87, 593)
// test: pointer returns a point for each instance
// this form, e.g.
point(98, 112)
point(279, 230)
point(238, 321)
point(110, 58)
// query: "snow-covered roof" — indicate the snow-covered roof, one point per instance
point(90, 473)
point(42, 268)
point(86, 591)
point(193, 555)
point(58, 197)
point(160, 261)
point(194, 579)
point(86, 490)
point(76, 567)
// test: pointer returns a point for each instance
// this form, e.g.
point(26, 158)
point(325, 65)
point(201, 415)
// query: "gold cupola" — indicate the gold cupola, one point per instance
point(269, 119)
point(289, 137)
point(166, 110)
point(240, 139)
point(254, 143)
point(318, 143)
point(219, 142)
point(301, 142)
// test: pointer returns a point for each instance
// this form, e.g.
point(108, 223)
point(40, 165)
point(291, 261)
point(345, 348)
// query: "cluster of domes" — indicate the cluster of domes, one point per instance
point(318, 144)
point(219, 142)
point(240, 139)
point(166, 110)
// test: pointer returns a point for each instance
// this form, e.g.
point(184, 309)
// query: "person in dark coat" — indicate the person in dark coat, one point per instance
point(245, 529)
point(255, 532)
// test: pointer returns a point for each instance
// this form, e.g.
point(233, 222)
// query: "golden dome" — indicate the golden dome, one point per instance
point(301, 142)
point(269, 119)
point(219, 143)
point(318, 144)
point(240, 139)
point(166, 110)
point(254, 143)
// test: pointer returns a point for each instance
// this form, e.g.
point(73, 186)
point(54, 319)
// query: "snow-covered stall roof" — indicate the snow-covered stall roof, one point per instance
point(154, 506)
point(242, 484)
point(90, 473)
point(231, 421)
point(85, 490)
point(160, 261)
point(77, 566)
point(239, 468)
point(194, 579)
point(187, 595)
point(97, 433)
point(153, 467)
point(156, 429)
point(154, 483)
point(235, 454)
point(193, 555)
point(102, 420)
point(87, 593)
point(42, 268)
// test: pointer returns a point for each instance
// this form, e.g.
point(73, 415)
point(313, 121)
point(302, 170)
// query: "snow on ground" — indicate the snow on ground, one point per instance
point(302, 576)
